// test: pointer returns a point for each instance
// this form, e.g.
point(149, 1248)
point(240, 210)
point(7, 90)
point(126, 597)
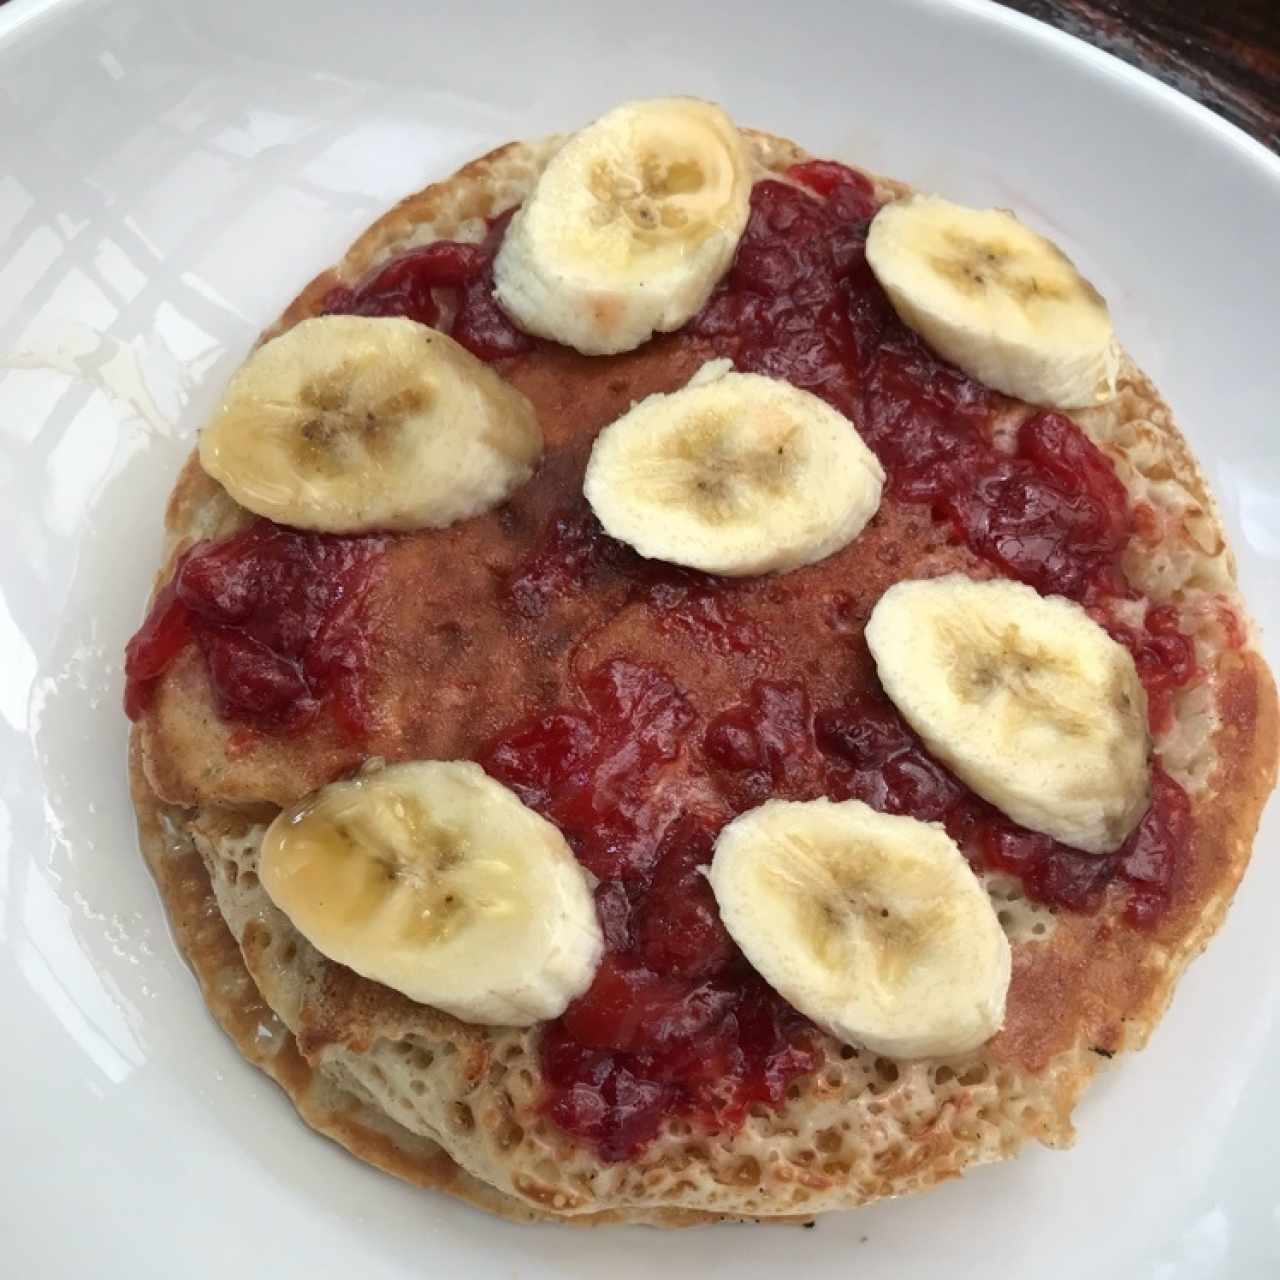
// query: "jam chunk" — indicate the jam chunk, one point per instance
point(598, 774)
point(1054, 515)
point(279, 618)
point(448, 285)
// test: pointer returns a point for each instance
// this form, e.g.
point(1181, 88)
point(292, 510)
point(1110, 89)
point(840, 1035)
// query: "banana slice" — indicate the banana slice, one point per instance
point(351, 423)
point(995, 298)
point(1025, 698)
point(434, 879)
point(629, 226)
point(872, 925)
point(734, 474)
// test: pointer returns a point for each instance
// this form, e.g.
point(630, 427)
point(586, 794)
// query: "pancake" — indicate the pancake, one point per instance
point(349, 1117)
point(462, 1107)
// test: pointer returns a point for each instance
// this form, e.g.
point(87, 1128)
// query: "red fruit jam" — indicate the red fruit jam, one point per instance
point(448, 285)
point(675, 1021)
point(1165, 658)
point(1146, 863)
point(801, 303)
point(765, 747)
point(278, 617)
point(1054, 515)
point(876, 758)
point(598, 774)
point(572, 550)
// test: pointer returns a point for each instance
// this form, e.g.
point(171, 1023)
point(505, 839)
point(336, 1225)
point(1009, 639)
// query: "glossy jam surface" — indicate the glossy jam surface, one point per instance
point(675, 1021)
point(448, 285)
point(597, 774)
point(1164, 656)
point(277, 615)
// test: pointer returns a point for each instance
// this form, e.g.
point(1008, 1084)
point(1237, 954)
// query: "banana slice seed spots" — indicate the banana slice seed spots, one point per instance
point(836, 888)
point(444, 847)
point(899, 937)
point(845, 917)
point(721, 480)
point(1130, 700)
point(974, 266)
point(671, 177)
point(341, 427)
point(649, 202)
point(894, 937)
point(1038, 684)
point(399, 844)
point(435, 920)
point(404, 403)
point(328, 391)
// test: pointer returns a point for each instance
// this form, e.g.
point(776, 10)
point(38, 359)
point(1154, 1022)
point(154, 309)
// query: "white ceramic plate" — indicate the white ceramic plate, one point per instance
point(170, 174)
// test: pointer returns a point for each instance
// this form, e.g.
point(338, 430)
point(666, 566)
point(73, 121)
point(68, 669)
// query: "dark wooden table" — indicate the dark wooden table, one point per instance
point(1224, 53)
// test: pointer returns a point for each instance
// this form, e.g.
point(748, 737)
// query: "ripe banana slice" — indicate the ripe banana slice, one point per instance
point(629, 226)
point(434, 879)
point(734, 474)
point(1025, 698)
point(872, 925)
point(352, 423)
point(997, 299)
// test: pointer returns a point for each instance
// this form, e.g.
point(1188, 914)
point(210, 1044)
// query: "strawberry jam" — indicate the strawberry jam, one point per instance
point(1165, 658)
point(598, 774)
point(801, 303)
point(1053, 515)
point(764, 747)
point(278, 617)
point(675, 1021)
point(448, 285)
point(574, 552)
point(877, 759)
